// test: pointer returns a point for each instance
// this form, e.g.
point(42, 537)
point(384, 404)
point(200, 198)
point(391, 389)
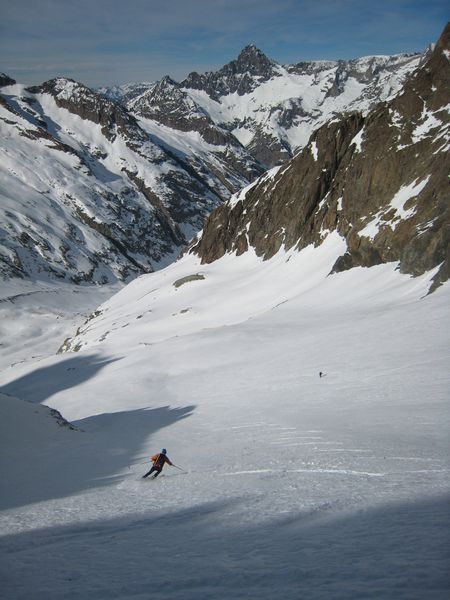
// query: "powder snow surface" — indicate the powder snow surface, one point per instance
point(298, 486)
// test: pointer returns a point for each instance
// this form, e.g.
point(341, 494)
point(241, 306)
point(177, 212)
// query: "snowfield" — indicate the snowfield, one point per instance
point(297, 486)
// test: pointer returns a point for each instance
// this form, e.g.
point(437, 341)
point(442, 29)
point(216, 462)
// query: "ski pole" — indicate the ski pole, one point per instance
point(179, 468)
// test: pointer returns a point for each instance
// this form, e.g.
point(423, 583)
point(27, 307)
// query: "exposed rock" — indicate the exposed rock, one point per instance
point(243, 75)
point(6, 80)
point(196, 277)
point(61, 421)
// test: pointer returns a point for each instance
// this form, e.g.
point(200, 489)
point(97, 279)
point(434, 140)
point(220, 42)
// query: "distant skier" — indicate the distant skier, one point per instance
point(159, 461)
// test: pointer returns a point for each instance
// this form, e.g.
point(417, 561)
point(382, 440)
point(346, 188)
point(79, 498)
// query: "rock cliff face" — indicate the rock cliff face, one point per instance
point(241, 76)
point(380, 180)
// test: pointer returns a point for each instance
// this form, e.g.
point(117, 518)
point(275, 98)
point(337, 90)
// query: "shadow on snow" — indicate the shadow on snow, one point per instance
point(78, 460)
point(41, 463)
point(396, 551)
point(42, 383)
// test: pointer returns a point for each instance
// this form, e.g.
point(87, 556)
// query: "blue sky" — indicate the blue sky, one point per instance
point(104, 42)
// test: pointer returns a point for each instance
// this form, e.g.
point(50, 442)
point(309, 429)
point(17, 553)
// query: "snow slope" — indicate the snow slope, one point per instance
point(35, 317)
point(298, 486)
point(61, 184)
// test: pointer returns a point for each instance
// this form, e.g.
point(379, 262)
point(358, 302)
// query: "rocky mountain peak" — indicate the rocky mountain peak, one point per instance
point(167, 104)
point(64, 88)
point(6, 80)
point(241, 75)
point(167, 82)
point(165, 90)
point(252, 60)
point(251, 63)
point(93, 106)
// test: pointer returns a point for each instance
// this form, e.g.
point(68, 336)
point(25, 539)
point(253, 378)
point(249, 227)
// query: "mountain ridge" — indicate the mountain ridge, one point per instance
point(378, 180)
point(272, 108)
point(123, 203)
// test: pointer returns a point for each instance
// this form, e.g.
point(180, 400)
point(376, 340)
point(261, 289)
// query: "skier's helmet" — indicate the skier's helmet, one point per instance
point(163, 451)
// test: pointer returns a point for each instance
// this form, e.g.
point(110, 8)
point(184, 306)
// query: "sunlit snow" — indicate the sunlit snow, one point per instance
point(299, 485)
point(398, 202)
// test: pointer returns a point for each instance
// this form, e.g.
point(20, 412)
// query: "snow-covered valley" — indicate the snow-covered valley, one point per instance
point(297, 485)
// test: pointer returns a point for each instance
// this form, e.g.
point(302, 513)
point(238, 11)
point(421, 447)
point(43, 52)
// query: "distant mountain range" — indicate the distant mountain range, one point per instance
point(100, 186)
point(271, 109)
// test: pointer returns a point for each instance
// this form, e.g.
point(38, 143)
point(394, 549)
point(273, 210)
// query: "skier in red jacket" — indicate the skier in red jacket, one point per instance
point(159, 461)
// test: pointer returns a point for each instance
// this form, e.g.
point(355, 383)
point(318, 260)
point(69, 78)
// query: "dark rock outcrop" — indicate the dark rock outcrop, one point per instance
point(242, 75)
point(6, 80)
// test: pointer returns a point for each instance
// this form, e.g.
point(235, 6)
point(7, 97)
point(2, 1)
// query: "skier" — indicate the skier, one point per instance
point(158, 462)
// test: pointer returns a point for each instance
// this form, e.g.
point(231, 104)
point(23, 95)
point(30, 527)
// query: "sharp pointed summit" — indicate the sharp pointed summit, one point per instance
point(242, 75)
point(252, 60)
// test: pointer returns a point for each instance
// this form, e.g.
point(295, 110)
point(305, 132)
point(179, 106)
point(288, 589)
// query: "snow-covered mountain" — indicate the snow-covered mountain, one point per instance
point(125, 93)
point(379, 179)
point(272, 109)
point(89, 194)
